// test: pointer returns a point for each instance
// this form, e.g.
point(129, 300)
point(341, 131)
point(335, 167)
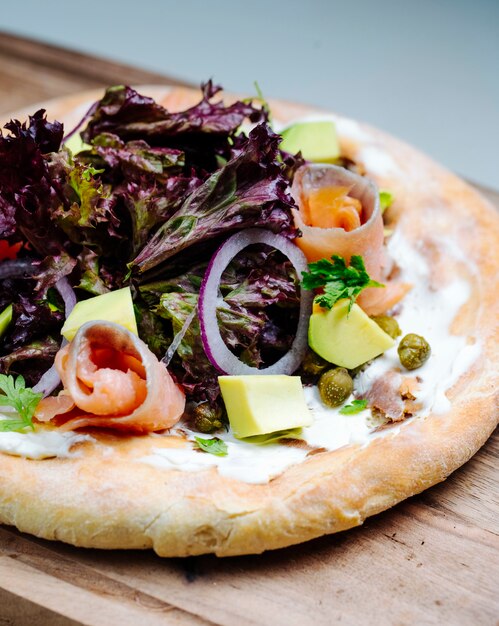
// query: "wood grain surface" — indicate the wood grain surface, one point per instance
point(434, 559)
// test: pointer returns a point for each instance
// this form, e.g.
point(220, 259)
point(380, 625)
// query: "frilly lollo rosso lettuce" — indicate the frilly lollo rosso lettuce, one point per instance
point(27, 192)
point(153, 195)
point(250, 190)
point(31, 360)
point(204, 132)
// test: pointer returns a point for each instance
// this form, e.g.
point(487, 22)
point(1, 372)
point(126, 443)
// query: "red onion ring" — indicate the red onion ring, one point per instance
point(67, 294)
point(18, 268)
point(51, 379)
point(217, 352)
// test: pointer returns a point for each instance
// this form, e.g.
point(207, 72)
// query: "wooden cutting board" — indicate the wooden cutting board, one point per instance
point(434, 559)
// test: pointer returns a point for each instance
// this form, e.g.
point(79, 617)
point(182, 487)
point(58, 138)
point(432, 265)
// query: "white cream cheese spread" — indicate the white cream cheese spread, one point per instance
point(42, 444)
point(247, 462)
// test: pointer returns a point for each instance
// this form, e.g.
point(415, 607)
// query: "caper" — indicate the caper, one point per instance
point(314, 365)
point(207, 417)
point(335, 386)
point(413, 351)
point(388, 324)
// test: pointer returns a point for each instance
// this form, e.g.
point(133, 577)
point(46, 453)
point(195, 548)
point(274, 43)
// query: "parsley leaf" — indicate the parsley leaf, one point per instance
point(215, 446)
point(356, 407)
point(385, 199)
point(23, 400)
point(338, 280)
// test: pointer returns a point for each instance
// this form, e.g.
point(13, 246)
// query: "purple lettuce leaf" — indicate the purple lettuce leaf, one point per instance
point(173, 300)
point(121, 105)
point(261, 290)
point(152, 329)
point(31, 319)
point(204, 133)
point(45, 135)
point(91, 278)
point(241, 330)
point(148, 183)
point(31, 360)
point(87, 213)
point(129, 115)
point(189, 282)
point(135, 160)
point(36, 314)
point(50, 270)
point(37, 308)
point(27, 192)
point(260, 278)
point(150, 206)
point(250, 190)
point(190, 364)
point(12, 288)
point(7, 218)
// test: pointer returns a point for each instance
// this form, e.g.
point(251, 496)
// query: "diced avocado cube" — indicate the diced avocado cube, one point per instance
point(346, 339)
point(259, 404)
point(115, 306)
point(5, 319)
point(317, 141)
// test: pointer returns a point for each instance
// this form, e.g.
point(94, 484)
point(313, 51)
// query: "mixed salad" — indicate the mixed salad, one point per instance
point(240, 256)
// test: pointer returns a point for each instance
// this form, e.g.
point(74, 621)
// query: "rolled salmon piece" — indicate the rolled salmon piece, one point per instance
point(347, 237)
point(319, 243)
point(114, 379)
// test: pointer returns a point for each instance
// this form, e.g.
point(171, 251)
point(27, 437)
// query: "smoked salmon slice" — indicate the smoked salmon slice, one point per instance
point(111, 379)
point(51, 406)
point(393, 396)
point(354, 225)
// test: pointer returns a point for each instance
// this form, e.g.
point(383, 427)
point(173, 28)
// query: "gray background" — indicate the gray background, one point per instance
point(426, 71)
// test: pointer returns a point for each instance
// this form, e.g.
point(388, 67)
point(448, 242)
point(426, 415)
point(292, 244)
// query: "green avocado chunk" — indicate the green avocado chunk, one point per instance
point(5, 319)
point(317, 141)
point(115, 306)
point(346, 339)
point(262, 404)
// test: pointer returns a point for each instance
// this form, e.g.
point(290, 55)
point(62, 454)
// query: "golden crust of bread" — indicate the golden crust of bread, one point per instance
point(104, 499)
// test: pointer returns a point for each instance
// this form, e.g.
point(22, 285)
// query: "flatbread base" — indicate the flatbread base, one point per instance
point(106, 498)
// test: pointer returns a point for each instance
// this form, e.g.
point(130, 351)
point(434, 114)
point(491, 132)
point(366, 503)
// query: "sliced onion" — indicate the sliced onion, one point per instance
point(209, 300)
point(67, 294)
point(18, 268)
point(48, 382)
point(51, 379)
point(172, 348)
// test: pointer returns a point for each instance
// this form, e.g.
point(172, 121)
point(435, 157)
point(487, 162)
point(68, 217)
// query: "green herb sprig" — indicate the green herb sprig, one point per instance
point(21, 398)
point(215, 446)
point(338, 280)
point(356, 407)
